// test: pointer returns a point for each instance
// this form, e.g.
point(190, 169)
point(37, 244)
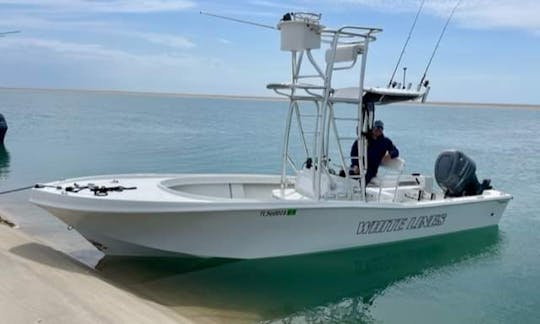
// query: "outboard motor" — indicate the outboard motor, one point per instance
point(456, 175)
point(3, 128)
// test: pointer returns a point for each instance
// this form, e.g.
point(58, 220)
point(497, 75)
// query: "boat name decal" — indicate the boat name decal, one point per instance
point(278, 212)
point(399, 224)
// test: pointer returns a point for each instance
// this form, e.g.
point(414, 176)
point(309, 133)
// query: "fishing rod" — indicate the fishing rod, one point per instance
point(16, 190)
point(237, 20)
point(97, 190)
point(406, 42)
point(439, 40)
point(2, 34)
point(36, 186)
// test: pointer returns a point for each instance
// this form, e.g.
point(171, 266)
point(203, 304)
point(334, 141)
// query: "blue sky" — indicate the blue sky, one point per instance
point(491, 52)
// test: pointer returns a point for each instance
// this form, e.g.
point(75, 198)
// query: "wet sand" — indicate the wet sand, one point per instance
point(42, 285)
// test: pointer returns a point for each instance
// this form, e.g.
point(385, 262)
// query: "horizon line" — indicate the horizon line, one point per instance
point(265, 98)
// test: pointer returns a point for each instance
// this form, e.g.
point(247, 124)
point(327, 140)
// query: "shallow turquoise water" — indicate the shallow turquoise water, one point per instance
point(476, 277)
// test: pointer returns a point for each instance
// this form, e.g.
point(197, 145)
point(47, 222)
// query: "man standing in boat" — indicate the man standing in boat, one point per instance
point(377, 147)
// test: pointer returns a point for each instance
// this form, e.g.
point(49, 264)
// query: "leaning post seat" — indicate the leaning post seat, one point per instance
point(396, 165)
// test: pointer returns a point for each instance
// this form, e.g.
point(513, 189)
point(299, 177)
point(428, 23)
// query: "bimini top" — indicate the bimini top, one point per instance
point(376, 94)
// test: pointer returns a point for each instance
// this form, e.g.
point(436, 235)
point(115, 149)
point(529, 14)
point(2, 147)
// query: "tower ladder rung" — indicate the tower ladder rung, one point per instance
point(346, 118)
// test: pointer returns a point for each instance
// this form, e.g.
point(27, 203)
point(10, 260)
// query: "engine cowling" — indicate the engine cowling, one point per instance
point(455, 173)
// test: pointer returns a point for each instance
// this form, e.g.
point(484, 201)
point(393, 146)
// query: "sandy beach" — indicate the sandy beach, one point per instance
point(42, 285)
point(48, 276)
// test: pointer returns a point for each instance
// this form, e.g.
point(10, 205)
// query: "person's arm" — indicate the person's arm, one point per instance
point(392, 149)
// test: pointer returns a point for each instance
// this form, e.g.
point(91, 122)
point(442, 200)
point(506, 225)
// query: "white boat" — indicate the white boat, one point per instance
point(312, 206)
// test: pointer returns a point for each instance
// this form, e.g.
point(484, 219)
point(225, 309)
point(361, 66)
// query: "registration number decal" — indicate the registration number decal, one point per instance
point(278, 212)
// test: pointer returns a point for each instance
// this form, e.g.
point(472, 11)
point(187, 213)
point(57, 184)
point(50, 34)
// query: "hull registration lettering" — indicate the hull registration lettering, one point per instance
point(400, 224)
point(278, 212)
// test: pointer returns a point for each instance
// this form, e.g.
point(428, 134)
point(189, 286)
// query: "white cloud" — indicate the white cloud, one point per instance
point(163, 39)
point(501, 14)
point(94, 27)
point(224, 41)
point(52, 63)
point(112, 6)
point(478, 14)
point(522, 14)
point(26, 22)
point(93, 51)
point(97, 52)
point(277, 5)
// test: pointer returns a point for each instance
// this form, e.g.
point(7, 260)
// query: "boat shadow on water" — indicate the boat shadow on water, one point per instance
point(4, 162)
point(328, 286)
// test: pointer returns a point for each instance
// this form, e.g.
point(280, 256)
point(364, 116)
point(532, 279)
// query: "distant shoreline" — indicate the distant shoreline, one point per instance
point(473, 105)
point(269, 98)
point(153, 94)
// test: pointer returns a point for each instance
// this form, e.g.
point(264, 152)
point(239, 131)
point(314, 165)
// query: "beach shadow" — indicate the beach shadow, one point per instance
point(50, 257)
point(345, 283)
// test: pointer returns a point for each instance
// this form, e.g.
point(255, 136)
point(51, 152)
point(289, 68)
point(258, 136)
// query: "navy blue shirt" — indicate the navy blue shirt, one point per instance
point(376, 149)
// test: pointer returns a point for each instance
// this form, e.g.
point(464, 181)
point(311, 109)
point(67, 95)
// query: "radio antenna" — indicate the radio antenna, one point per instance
point(406, 42)
point(439, 41)
point(238, 20)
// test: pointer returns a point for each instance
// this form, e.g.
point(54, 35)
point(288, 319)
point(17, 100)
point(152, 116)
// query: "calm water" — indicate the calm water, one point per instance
point(488, 276)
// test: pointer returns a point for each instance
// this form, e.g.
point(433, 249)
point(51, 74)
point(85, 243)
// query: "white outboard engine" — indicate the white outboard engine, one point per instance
point(456, 175)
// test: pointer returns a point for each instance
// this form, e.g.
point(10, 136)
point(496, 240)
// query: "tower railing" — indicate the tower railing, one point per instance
point(344, 48)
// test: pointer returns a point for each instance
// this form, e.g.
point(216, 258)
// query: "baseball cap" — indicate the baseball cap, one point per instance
point(378, 124)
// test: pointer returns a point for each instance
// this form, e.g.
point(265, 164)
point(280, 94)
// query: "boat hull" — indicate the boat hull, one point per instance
point(273, 229)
